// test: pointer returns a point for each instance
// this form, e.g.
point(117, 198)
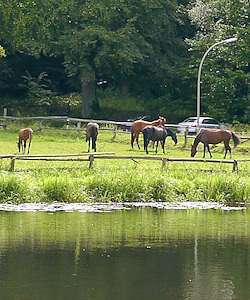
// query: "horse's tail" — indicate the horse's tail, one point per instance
point(30, 134)
point(132, 137)
point(87, 134)
point(236, 139)
point(93, 136)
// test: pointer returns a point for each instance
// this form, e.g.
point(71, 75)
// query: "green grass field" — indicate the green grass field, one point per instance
point(118, 180)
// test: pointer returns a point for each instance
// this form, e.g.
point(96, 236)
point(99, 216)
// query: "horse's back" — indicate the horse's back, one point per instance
point(215, 136)
point(139, 125)
point(148, 130)
point(92, 130)
point(160, 133)
point(26, 133)
point(155, 133)
point(94, 125)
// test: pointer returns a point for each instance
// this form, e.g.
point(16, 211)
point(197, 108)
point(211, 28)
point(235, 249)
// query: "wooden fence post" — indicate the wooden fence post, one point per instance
point(5, 120)
point(164, 160)
point(185, 134)
point(40, 126)
point(115, 130)
point(91, 161)
point(235, 166)
point(78, 127)
point(12, 164)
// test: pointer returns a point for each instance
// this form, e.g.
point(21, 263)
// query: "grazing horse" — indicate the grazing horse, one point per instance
point(215, 137)
point(138, 126)
point(156, 134)
point(24, 135)
point(92, 133)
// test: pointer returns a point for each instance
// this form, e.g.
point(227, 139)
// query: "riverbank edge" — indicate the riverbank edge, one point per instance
point(109, 207)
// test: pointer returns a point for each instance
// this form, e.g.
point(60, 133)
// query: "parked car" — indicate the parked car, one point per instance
point(127, 124)
point(191, 124)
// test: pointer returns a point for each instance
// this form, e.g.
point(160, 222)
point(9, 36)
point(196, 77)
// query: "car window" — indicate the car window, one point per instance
point(190, 120)
point(210, 121)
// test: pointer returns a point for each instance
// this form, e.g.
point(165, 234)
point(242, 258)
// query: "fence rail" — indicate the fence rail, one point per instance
point(91, 157)
point(107, 125)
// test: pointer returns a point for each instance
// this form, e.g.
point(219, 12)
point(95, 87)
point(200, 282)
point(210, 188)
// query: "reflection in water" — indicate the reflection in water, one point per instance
point(138, 254)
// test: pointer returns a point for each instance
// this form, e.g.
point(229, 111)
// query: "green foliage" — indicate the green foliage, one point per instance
point(15, 190)
point(2, 52)
point(225, 75)
point(99, 39)
point(124, 184)
point(39, 90)
point(136, 47)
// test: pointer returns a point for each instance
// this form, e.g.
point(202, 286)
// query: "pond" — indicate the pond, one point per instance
point(138, 253)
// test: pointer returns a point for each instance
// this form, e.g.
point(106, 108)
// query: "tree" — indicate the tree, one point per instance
point(110, 39)
point(225, 75)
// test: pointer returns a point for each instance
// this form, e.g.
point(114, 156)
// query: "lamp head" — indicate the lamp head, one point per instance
point(230, 40)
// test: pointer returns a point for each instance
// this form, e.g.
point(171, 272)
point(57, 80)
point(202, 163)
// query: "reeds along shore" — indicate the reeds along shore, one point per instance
point(116, 185)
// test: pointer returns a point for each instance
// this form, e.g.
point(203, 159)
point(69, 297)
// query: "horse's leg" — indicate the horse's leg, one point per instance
point(146, 145)
point(29, 146)
point(156, 148)
point(208, 149)
point(93, 142)
point(132, 138)
point(163, 146)
point(225, 153)
point(227, 148)
point(89, 145)
point(204, 151)
point(137, 140)
point(24, 147)
point(21, 146)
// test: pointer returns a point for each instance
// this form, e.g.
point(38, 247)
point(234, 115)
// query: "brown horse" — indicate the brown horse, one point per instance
point(24, 135)
point(215, 137)
point(92, 133)
point(138, 126)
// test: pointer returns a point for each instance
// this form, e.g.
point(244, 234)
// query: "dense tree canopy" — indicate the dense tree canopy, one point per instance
point(137, 46)
point(225, 88)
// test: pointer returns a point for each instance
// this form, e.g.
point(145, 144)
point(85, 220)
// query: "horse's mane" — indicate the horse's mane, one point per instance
point(197, 139)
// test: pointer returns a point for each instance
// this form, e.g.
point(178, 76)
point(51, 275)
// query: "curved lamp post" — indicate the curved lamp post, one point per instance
point(230, 40)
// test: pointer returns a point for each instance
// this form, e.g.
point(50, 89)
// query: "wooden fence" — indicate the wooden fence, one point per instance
point(60, 157)
point(77, 124)
point(91, 157)
point(104, 125)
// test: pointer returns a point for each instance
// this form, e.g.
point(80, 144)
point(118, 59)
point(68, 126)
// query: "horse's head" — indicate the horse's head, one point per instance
point(162, 120)
point(193, 150)
point(172, 134)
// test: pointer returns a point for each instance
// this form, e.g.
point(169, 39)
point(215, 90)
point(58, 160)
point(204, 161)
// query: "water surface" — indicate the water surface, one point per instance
point(142, 253)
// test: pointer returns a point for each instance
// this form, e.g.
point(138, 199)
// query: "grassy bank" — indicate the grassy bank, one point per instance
point(114, 180)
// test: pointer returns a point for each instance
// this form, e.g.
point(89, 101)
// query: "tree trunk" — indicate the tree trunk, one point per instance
point(89, 98)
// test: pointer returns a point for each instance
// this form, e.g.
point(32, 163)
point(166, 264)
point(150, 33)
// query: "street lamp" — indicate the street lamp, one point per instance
point(230, 40)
